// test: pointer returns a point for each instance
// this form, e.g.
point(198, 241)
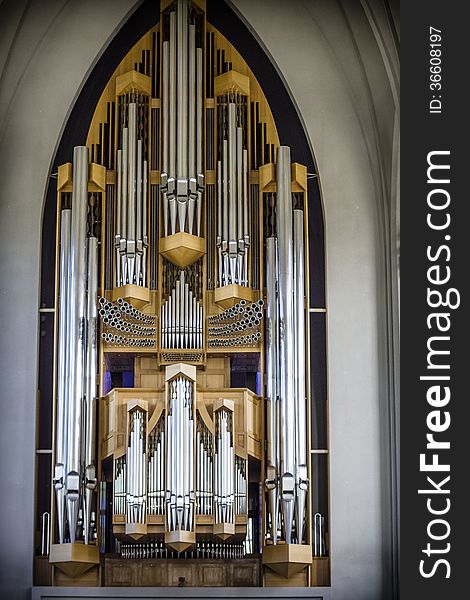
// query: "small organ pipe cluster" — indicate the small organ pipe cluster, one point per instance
point(181, 279)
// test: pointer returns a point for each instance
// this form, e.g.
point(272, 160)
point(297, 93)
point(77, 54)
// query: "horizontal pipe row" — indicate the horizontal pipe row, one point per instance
point(119, 340)
point(245, 340)
point(251, 321)
point(126, 327)
point(236, 312)
point(128, 312)
point(152, 550)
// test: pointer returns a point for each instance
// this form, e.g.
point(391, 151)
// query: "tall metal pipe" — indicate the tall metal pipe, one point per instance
point(232, 185)
point(172, 107)
point(77, 331)
point(289, 420)
point(91, 384)
point(301, 408)
point(62, 405)
point(199, 135)
point(272, 373)
point(124, 188)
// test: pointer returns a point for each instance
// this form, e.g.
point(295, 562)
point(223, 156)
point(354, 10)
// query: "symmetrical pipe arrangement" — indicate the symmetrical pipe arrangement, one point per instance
point(182, 178)
point(224, 471)
point(233, 237)
point(205, 470)
point(180, 455)
point(75, 470)
point(287, 479)
point(131, 239)
point(136, 484)
point(182, 317)
point(156, 470)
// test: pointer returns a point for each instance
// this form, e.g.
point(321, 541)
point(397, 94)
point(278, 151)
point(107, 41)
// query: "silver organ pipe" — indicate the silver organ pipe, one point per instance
point(286, 481)
point(233, 238)
point(272, 405)
point(120, 486)
point(182, 177)
point(156, 471)
point(301, 476)
point(91, 384)
point(62, 371)
point(76, 332)
point(131, 236)
point(136, 467)
point(180, 493)
point(224, 468)
point(205, 469)
point(181, 317)
point(241, 507)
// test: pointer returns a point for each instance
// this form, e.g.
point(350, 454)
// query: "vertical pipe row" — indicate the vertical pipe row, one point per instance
point(181, 317)
point(182, 173)
point(287, 473)
point(180, 458)
point(136, 490)
point(233, 235)
point(131, 235)
point(156, 471)
point(205, 470)
point(75, 471)
point(241, 486)
point(120, 486)
point(224, 468)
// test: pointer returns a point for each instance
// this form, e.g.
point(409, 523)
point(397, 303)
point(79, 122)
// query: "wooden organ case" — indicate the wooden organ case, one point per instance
point(182, 439)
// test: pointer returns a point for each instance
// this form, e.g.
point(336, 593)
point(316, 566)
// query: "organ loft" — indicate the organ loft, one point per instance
point(182, 410)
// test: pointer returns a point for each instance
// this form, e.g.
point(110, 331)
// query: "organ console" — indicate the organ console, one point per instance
point(182, 404)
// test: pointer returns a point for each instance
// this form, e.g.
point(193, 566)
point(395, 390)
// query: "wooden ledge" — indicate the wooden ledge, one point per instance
point(228, 295)
point(287, 559)
point(74, 559)
point(182, 249)
point(136, 295)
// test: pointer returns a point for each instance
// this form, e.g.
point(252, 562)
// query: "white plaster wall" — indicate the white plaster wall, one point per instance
point(329, 58)
point(47, 50)
point(342, 91)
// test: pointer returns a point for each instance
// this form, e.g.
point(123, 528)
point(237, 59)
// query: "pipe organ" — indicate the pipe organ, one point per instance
point(182, 403)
